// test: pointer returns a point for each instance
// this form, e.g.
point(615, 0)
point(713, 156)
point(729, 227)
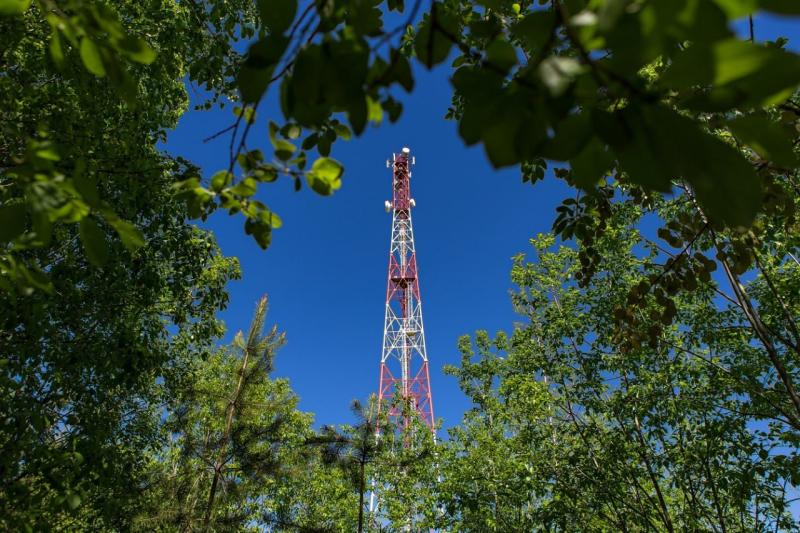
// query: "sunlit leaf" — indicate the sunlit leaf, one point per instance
point(765, 137)
point(325, 176)
point(90, 55)
point(13, 7)
point(94, 242)
point(129, 234)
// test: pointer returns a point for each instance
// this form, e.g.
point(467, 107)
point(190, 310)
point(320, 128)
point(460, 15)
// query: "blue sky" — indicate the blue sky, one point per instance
point(325, 272)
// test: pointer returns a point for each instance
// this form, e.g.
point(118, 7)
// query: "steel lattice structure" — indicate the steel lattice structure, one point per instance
point(404, 361)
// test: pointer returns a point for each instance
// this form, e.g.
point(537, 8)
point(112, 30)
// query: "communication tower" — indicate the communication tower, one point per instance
point(404, 360)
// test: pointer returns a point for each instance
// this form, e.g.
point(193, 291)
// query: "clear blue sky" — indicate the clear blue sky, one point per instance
point(325, 272)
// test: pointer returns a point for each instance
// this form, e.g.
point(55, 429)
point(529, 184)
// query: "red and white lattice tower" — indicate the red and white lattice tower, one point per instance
point(404, 361)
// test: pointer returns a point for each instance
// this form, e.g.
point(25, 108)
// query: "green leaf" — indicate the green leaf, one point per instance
point(719, 64)
point(737, 8)
point(571, 135)
point(436, 35)
point(73, 500)
point(47, 152)
point(535, 29)
point(664, 145)
point(686, 20)
point(252, 82)
point(496, 5)
point(260, 230)
point(558, 72)
point(94, 242)
point(277, 15)
point(590, 165)
point(325, 176)
point(324, 144)
point(609, 14)
point(504, 129)
point(246, 187)
point(398, 70)
point(259, 64)
point(12, 222)
point(401, 71)
point(90, 55)
point(501, 54)
point(374, 111)
point(274, 220)
point(765, 137)
point(310, 141)
point(250, 160)
point(365, 18)
point(13, 7)
point(485, 28)
point(740, 74)
point(357, 115)
point(343, 132)
point(56, 50)
point(306, 96)
point(499, 142)
point(265, 173)
point(475, 118)
point(220, 180)
point(782, 7)
point(393, 108)
point(87, 188)
point(137, 50)
point(283, 149)
point(291, 131)
point(129, 234)
point(247, 113)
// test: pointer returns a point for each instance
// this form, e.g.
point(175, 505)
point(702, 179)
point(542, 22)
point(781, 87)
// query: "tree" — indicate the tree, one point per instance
point(394, 464)
point(232, 431)
point(580, 424)
point(405, 474)
point(312, 496)
point(83, 367)
point(85, 103)
point(105, 290)
point(353, 449)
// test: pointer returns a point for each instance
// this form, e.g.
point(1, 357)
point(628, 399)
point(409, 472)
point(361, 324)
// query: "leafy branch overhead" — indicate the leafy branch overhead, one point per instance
point(652, 92)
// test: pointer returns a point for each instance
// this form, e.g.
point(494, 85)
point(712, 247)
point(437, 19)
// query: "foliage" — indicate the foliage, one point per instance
point(80, 363)
point(85, 101)
point(637, 89)
point(237, 454)
point(631, 88)
point(405, 474)
point(352, 449)
point(572, 427)
point(105, 288)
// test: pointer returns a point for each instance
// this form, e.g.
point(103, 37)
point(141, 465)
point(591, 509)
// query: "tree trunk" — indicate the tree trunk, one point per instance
point(361, 487)
point(226, 436)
